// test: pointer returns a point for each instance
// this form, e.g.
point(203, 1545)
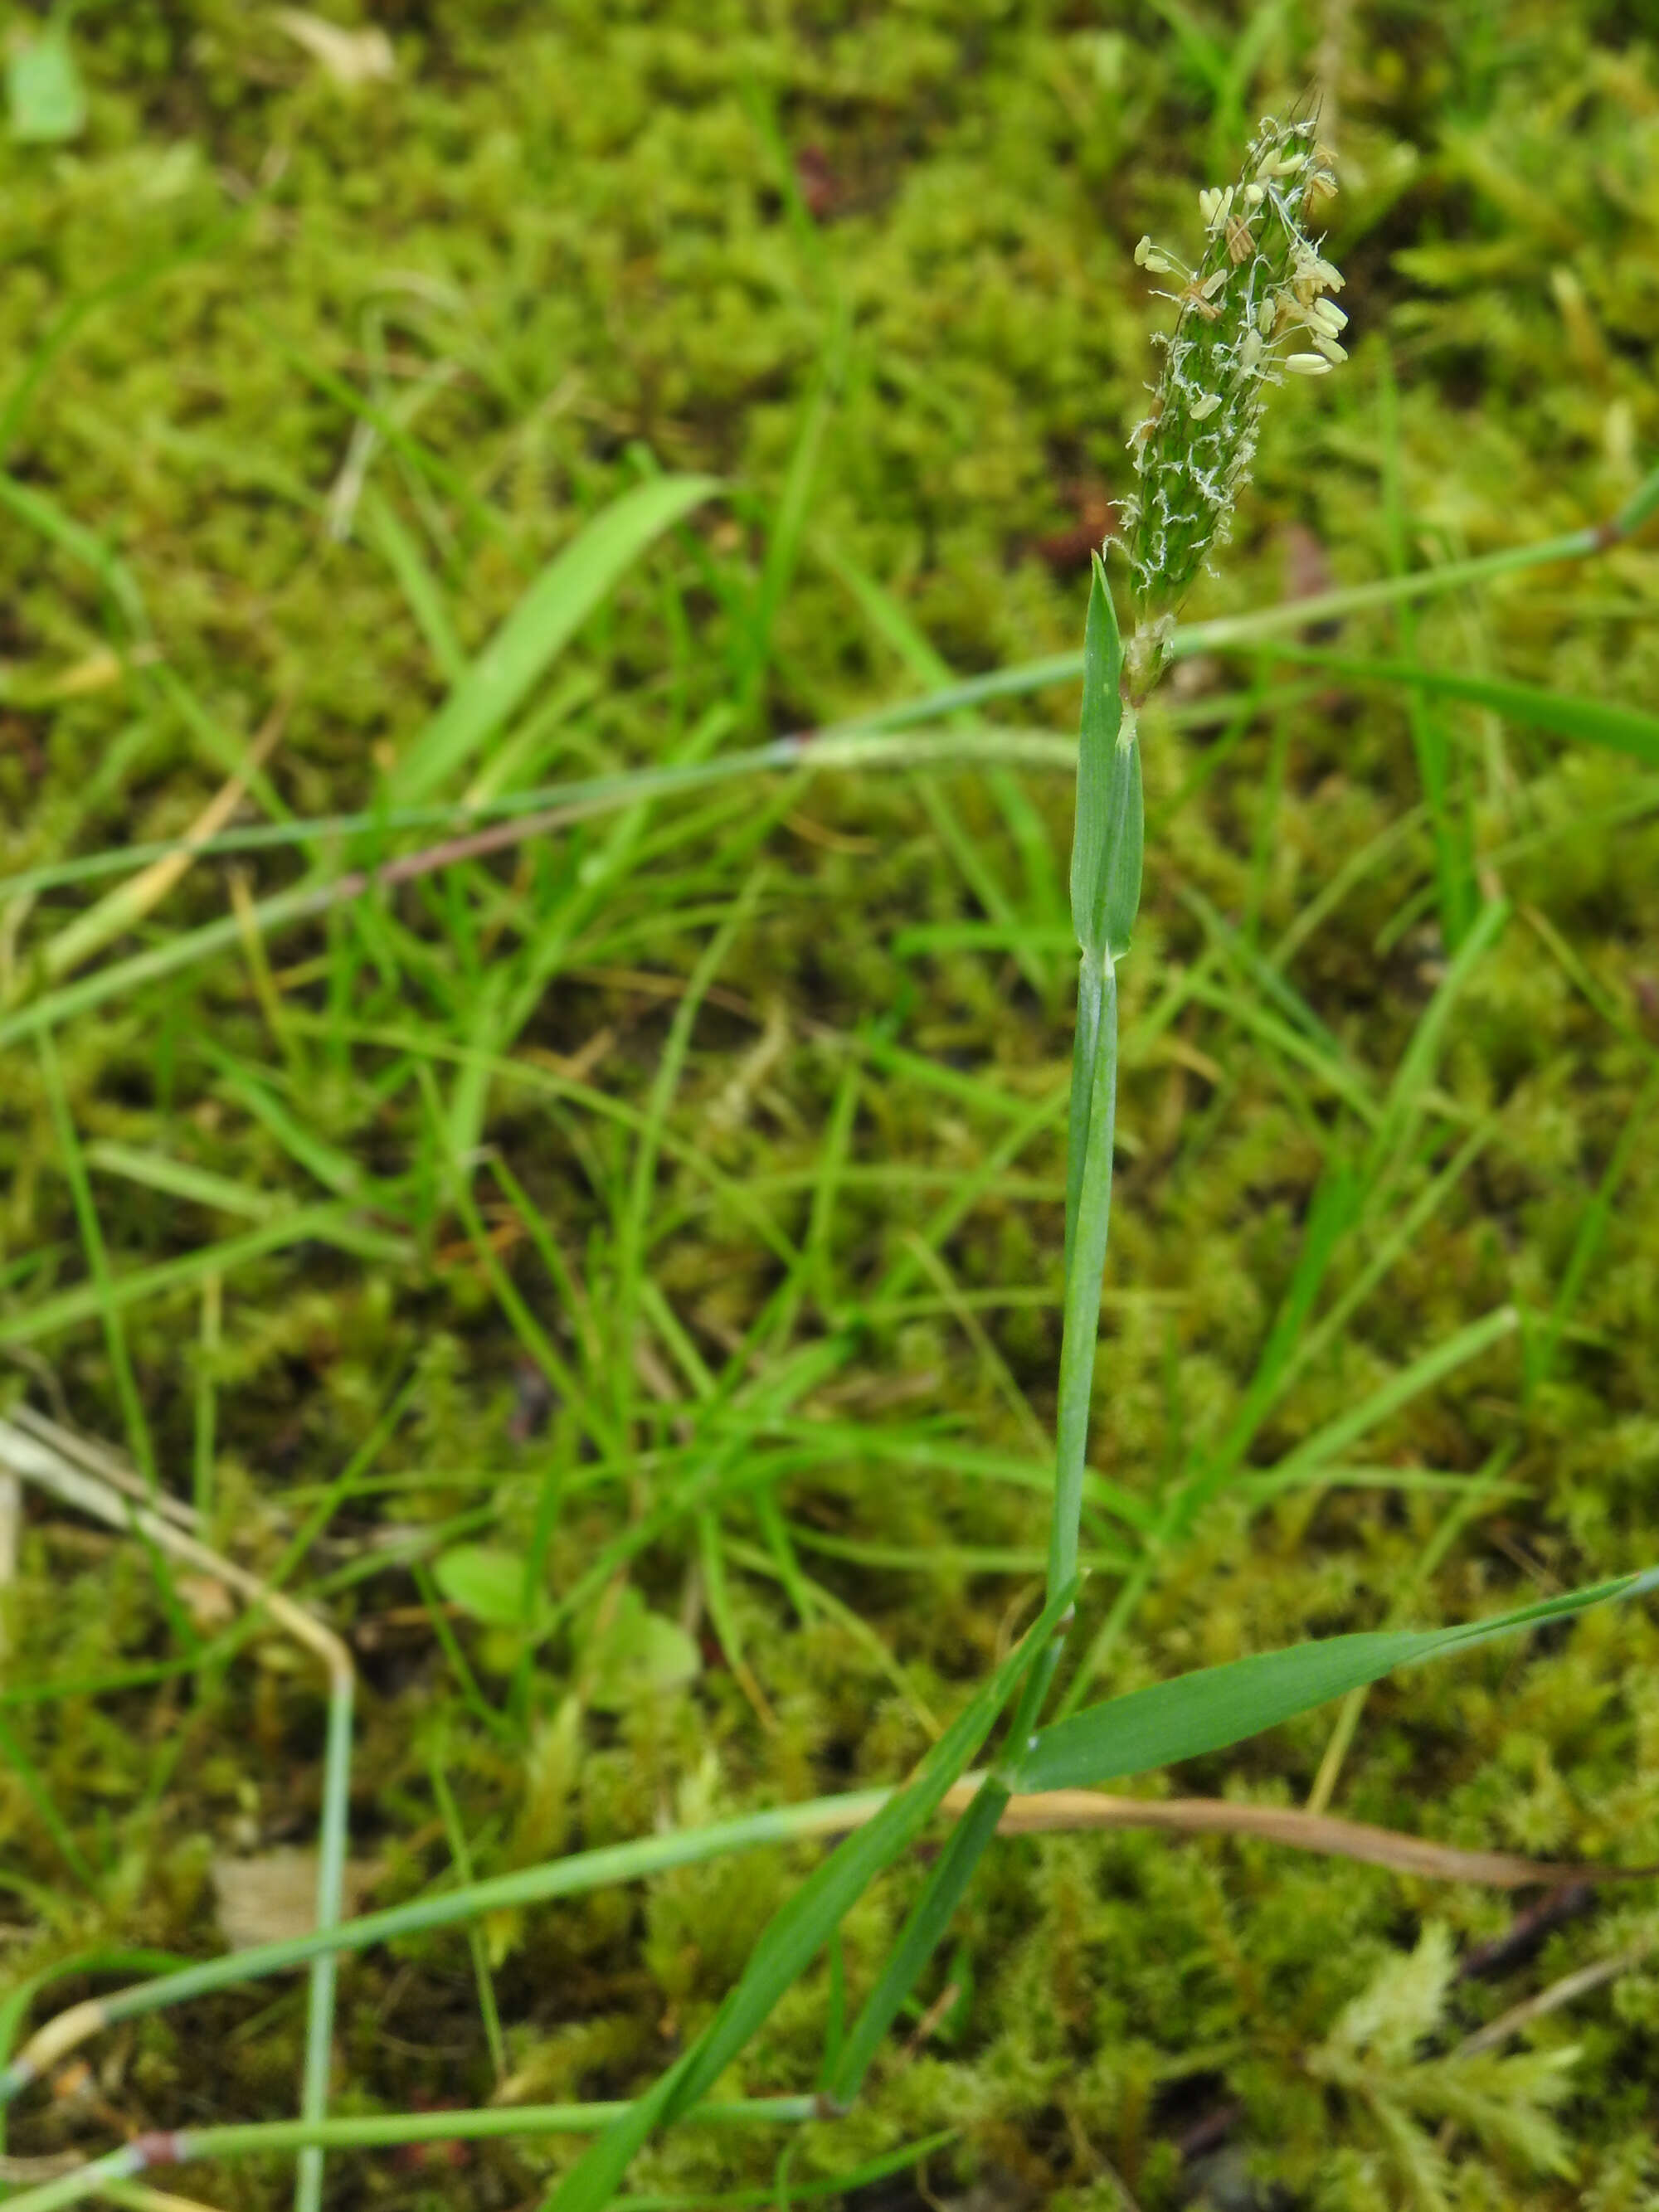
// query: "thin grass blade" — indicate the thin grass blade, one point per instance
point(799, 1930)
point(557, 603)
point(1592, 721)
point(1217, 1707)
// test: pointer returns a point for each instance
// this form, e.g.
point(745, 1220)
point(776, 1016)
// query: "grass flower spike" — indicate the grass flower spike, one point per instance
point(1256, 303)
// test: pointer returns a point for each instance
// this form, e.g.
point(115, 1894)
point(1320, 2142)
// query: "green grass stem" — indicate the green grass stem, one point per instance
point(388, 2131)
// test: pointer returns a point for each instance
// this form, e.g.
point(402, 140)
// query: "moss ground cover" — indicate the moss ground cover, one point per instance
point(616, 1278)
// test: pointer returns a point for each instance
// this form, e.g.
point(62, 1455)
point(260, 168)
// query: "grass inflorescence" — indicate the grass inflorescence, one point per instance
point(1259, 298)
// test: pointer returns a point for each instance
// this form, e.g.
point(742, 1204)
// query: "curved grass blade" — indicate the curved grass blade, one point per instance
point(924, 1928)
point(1592, 721)
point(795, 1935)
point(543, 623)
point(1216, 1706)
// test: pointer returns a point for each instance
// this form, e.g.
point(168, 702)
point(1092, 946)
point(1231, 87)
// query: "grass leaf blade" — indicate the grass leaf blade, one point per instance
point(1592, 721)
point(1216, 1706)
point(797, 1932)
point(551, 611)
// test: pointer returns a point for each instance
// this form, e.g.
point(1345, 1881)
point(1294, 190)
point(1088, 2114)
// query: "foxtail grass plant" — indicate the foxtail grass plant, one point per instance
point(1257, 298)
point(1255, 306)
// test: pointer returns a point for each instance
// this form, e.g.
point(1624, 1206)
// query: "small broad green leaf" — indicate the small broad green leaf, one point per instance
point(638, 1651)
point(552, 610)
point(1217, 1707)
point(487, 1582)
point(45, 99)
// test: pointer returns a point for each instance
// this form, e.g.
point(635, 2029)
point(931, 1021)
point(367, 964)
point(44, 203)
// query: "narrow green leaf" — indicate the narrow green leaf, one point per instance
point(327, 1225)
point(801, 1928)
point(384, 530)
point(1106, 843)
point(1412, 1078)
point(1592, 721)
point(49, 520)
point(942, 1891)
point(335, 1170)
point(1420, 1376)
point(552, 610)
point(1088, 1220)
point(122, 979)
point(1260, 1021)
point(922, 1933)
point(1642, 502)
point(1331, 1213)
point(842, 1441)
point(1021, 819)
point(788, 522)
point(1217, 1707)
point(179, 1179)
point(32, 1785)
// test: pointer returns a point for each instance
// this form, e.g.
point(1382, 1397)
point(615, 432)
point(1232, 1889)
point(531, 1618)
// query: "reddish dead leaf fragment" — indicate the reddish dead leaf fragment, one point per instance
point(1526, 1932)
point(1096, 520)
point(820, 187)
point(441, 2151)
point(1308, 570)
point(532, 1402)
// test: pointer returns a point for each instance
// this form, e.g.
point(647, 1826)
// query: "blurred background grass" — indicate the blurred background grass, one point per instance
point(491, 1224)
